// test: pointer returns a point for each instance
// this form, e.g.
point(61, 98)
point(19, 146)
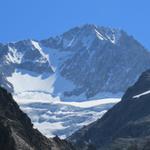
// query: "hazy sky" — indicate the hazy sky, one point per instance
point(39, 19)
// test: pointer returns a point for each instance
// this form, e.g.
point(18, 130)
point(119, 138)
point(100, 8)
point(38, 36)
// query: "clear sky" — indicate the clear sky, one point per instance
point(39, 19)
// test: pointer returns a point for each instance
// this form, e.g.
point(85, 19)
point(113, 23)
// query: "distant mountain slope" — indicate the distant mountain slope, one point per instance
point(125, 126)
point(16, 130)
point(83, 63)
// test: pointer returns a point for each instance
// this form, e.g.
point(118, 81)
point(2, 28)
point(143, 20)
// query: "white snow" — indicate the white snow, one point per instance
point(99, 35)
point(26, 82)
point(64, 118)
point(39, 48)
point(112, 39)
point(13, 56)
point(91, 103)
point(61, 85)
point(113, 36)
point(34, 97)
point(144, 93)
point(36, 45)
point(48, 128)
point(71, 42)
point(56, 57)
point(48, 113)
point(29, 88)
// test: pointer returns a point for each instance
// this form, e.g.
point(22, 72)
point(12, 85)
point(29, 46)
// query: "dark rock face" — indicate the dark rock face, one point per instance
point(6, 141)
point(125, 126)
point(142, 85)
point(5, 84)
point(16, 129)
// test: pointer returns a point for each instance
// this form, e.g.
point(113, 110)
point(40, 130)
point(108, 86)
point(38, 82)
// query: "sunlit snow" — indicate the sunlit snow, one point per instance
point(144, 93)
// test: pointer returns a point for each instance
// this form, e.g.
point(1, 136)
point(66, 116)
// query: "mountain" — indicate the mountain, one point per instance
point(85, 63)
point(17, 132)
point(125, 126)
point(99, 56)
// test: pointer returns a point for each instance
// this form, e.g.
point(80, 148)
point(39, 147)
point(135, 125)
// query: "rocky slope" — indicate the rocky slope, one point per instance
point(125, 126)
point(16, 129)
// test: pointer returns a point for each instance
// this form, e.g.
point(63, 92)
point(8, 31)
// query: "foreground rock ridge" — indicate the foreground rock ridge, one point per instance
point(124, 127)
point(17, 132)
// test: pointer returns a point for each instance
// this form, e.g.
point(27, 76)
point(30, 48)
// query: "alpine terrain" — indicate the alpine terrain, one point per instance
point(54, 80)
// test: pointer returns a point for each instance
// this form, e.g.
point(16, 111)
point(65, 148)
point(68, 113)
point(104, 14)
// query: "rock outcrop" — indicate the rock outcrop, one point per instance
point(17, 132)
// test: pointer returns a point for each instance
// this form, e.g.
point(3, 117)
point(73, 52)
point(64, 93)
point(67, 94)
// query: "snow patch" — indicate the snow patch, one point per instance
point(37, 46)
point(144, 93)
point(91, 103)
point(27, 82)
point(99, 35)
point(34, 97)
point(56, 57)
point(13, 56)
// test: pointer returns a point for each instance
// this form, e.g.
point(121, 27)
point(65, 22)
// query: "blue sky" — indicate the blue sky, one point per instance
point(39, 19)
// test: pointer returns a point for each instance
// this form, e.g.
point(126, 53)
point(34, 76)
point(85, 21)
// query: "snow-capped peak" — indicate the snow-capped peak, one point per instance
point(86, 34)
point(108, 34)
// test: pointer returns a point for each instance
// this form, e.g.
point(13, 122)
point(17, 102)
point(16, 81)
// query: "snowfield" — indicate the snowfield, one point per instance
point(51, 115)
point(64, 118)
point(31, 82)
point(36, 96)
point(91, 103)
